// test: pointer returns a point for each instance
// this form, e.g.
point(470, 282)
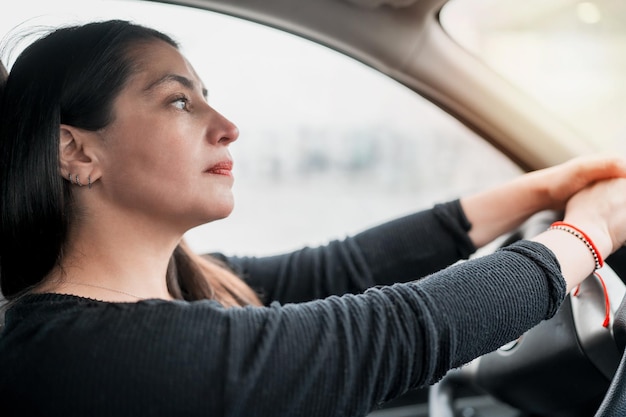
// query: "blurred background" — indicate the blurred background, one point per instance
point(569, 55)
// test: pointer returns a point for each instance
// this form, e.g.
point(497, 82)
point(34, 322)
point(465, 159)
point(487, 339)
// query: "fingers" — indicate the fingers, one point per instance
point(599, 167)
point(561, 182)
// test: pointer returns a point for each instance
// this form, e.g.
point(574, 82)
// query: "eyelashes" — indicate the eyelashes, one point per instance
point(181, 103)
point(184, 102)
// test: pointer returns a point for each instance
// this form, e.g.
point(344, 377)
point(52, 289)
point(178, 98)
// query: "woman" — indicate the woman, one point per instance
point(110, 153)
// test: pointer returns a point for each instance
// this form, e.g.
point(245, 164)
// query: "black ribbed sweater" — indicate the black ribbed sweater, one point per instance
point(325, 344)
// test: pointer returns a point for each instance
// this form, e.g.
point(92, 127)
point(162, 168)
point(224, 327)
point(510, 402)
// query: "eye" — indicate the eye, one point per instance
point(181, 103)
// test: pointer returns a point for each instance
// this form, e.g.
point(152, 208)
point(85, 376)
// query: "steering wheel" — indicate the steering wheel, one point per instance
point(569, 366)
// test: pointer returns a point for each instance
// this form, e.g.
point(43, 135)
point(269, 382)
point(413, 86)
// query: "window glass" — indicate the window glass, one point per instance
point(327, 147)
point(569, 55)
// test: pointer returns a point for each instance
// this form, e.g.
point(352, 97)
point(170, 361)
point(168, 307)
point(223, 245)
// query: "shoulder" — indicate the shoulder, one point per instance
point(60, 316)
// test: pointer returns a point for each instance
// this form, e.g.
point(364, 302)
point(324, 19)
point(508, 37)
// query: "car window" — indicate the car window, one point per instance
point(327, 147)
point(570, 56)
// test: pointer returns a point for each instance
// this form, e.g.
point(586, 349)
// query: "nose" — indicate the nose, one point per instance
point(221, 130)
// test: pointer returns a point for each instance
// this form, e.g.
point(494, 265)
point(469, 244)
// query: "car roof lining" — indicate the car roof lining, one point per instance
point(391, 35)
point(370, 4)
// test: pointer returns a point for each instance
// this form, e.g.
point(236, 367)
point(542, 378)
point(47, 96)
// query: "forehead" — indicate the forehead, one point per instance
point(156, 60)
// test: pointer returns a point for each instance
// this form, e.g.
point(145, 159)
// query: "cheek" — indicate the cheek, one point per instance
point(159, 169)
point(147, 149)
point(143, 162)
point(153, 187)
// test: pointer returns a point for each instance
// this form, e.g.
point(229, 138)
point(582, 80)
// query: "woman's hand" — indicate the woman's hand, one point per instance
point(599, 210)
point(559, 183)
point(501, 209)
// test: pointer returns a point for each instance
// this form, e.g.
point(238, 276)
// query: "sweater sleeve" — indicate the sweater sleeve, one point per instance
point(401, 250)
point(344, 355)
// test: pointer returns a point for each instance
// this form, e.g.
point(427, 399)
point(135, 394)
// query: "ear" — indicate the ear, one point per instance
point(78, 156)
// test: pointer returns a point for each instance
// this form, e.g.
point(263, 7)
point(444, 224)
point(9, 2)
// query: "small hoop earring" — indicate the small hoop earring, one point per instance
point(89, 181)
point(69, 177)
point(77, 181)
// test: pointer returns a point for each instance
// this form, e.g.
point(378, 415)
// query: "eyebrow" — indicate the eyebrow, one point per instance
point(168, 78)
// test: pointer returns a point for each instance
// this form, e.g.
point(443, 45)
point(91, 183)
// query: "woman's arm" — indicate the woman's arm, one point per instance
point(420, 244)
point(498, 210)
point(343, 355)
point(404, 249)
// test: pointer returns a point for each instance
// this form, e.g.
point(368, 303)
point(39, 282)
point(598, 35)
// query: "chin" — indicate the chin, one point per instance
point(221, 211)
point(212, 207)
point(223, 215)
point(206, 218)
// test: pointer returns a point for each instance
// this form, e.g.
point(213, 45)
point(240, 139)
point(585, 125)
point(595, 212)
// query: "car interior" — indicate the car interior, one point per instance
point(570, 366)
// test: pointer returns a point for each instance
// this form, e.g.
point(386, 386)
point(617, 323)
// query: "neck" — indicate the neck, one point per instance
point(114, 263)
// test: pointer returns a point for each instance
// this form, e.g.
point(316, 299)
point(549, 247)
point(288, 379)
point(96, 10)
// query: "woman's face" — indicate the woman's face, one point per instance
point(165, 156)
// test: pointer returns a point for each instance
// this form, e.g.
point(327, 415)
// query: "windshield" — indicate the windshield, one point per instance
point(569, 55)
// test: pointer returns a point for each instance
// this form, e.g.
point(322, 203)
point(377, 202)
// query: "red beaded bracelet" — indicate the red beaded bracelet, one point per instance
point(583, 237)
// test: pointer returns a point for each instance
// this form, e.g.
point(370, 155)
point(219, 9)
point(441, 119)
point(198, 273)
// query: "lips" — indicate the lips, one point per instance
point(221, 168)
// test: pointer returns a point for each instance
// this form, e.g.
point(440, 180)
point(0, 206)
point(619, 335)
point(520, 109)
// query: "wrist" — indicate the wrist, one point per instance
point(584, 238)
point(595, 232)
point(574, 257)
